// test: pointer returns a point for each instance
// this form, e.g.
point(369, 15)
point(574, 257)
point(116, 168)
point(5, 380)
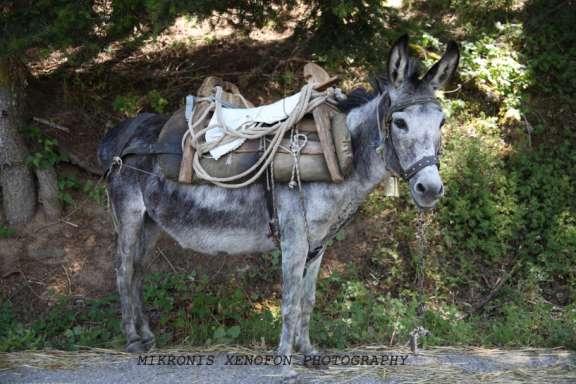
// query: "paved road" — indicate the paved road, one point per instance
point(372, 366)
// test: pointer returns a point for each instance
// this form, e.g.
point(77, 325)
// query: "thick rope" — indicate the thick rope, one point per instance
point(307, 102)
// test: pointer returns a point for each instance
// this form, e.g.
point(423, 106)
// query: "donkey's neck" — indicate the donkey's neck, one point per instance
point(369, 166)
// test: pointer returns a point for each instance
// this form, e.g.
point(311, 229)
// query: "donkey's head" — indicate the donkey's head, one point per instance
point(411, 120)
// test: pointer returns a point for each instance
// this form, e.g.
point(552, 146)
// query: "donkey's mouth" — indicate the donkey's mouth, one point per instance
point(425, 202)
point(424, 207)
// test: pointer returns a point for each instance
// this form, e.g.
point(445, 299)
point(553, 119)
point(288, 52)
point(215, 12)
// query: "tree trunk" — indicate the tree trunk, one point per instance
point(2, 217)
point(48, 193)
point(16, 180)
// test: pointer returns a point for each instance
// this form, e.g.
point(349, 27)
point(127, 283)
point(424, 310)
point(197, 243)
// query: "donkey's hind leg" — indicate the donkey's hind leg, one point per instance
point(130, 213)
point(150, 234)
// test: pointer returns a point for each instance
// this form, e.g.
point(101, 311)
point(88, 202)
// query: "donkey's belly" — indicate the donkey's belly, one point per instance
point(211, 220)
point(231, 241)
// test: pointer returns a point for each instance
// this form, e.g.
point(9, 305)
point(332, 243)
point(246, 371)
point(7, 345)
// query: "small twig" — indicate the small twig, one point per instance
point(27, 282)
point(70, 224)
point(69, 280)
point(51, 124)
point(499, 284)
point(167, 260)
point(459, 87)
point(529, 130)
point(391, 342)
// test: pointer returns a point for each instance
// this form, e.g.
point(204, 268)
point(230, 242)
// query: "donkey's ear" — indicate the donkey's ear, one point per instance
point(443, 70)
point(398, 61)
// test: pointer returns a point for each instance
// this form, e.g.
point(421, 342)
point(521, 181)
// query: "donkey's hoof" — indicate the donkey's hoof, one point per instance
point(291, 377)
point(136, 346)
point(148, 344)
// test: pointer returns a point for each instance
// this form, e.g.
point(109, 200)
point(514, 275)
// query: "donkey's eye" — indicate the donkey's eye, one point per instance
point(401, 124)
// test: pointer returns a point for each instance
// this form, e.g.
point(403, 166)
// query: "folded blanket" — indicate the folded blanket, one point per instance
point(234, 118)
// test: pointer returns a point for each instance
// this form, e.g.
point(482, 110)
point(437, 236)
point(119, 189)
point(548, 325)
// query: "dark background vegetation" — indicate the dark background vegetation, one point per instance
point(501, 255)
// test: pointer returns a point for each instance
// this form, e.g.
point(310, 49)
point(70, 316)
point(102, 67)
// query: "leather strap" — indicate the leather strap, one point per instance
point(153, 149)
point(418, 165)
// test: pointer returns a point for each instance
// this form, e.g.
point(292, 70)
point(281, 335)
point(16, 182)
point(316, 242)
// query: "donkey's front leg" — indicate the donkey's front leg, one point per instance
point(294, 244)
point(307, 302)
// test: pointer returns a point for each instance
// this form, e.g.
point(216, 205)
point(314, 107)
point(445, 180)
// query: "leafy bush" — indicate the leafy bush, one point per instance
point(45, 152)
point(64, 327)
point(494, 65)
point(68, 184)
point(194, 312)
point(6, 232)
point(129, 105)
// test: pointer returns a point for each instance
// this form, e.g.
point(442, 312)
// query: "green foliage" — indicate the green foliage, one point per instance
point(65, 185)
point(63, 327)
point(342, 28)
point(480, 208)
point(68, 184)
point(193, 311)
point(45, 24)
point(548, 44)
point(493, 63)
point(548, 235)
point(157, 102)
point(95, 191)
point(52, 25)
point(539, 324)
point(6, 232)
point(45, 153)
point(129, 105)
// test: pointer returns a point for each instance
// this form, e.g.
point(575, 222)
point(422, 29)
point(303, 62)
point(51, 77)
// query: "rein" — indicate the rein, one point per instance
point(385, 128)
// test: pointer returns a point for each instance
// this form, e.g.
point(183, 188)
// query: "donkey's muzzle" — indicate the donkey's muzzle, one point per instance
point(427, 187)
point(429, 190)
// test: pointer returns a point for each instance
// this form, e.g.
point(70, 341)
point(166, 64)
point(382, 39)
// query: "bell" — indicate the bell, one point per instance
point(391, 187)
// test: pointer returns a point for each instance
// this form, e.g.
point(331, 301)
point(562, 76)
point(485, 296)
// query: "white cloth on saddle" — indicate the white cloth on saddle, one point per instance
point(234, 118)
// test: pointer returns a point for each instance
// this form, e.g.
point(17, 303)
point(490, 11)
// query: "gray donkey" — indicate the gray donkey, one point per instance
point(395, 130)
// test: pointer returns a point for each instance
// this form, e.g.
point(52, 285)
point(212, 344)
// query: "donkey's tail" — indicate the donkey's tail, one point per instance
point(144, 128)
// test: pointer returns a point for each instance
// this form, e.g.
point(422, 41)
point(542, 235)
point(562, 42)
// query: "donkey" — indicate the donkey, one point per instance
point(395, 130)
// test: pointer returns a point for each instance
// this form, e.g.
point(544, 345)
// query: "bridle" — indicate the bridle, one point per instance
point(384, 128)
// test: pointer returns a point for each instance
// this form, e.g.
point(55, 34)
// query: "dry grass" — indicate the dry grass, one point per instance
point(446, 365)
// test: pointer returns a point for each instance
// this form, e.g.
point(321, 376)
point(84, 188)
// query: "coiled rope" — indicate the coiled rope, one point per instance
point(309, 99)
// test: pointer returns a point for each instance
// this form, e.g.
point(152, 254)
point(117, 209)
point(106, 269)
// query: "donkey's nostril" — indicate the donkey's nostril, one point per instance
point(420, 188)
point(441, 190)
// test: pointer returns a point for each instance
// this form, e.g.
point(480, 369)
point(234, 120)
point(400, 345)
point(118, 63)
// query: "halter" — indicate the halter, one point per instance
point(385, 136)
